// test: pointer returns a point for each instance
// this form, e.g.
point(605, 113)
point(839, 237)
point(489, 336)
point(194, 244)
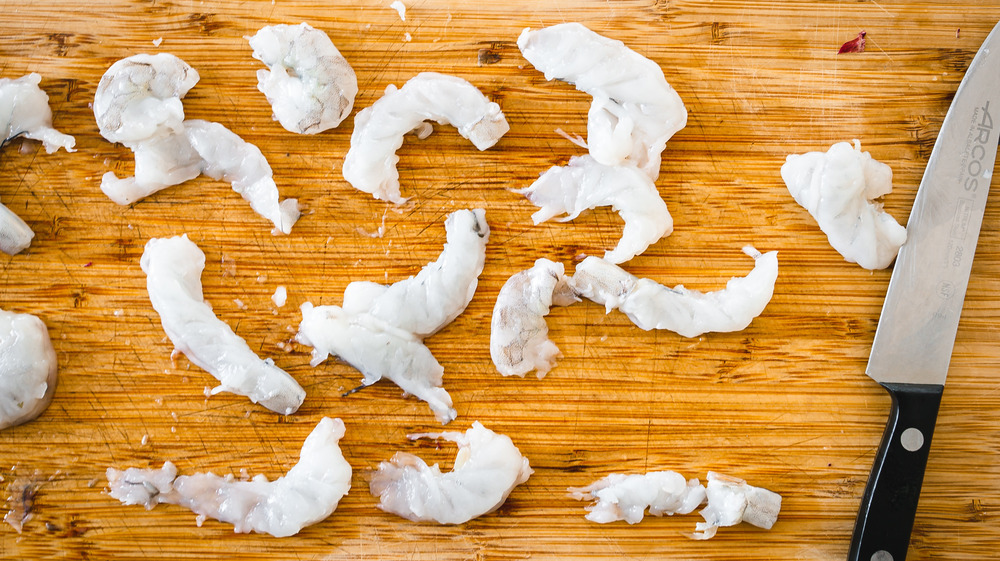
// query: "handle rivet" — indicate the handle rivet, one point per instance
point(912, 440)
point(882, 555)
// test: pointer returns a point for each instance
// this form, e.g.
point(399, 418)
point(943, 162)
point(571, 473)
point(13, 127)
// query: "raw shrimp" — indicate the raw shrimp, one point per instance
point(28, 368)
point(379, 329)
point(309, 84)
point(838, 188)
point(731, 501)
point(519, 340)
point(487, 468)
point(634, 111)
point(585, 183)
point(139, 97)
point(307, 494)
point(626, 497)
point(690, 313)
point(370, 164)
point(24, 111)
point(173, 268)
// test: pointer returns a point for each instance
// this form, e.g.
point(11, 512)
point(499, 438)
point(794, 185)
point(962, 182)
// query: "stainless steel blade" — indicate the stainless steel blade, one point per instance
point(919, 321)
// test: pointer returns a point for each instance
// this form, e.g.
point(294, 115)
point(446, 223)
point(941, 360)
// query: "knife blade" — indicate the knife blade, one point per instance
point(916, 332)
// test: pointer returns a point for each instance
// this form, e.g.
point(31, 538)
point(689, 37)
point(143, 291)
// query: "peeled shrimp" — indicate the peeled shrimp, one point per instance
point(139, 97)
point(28, 368)
point(370, 164)
point(487, 468)
point(173, 268)
point(309, 84)
point(690, 313)
point(585, 183)
point(307, 494)
point(634, 111)
point(838, 188)
point(519, 340)
point(379, 329)
point(24, 111)
point(626, 497)
point(731, 501)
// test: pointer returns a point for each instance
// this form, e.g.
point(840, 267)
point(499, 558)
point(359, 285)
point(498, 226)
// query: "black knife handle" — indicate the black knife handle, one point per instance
point(889, 505)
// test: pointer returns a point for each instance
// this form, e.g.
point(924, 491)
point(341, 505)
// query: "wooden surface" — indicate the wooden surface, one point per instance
point(784, 404)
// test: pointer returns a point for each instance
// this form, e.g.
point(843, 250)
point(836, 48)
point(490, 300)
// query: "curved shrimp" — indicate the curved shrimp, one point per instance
point(173, 268)
point(307, 494)
point(309, 84)
point(634, 111)
point(518, 333)
point(28, 368)
point(140, 97)
point(487, 468)
point(586, 183)
point(690, 313)
point(837, 188)
point(370, 164)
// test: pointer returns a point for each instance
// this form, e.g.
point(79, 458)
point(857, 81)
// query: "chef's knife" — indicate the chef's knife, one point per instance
point(916, 331)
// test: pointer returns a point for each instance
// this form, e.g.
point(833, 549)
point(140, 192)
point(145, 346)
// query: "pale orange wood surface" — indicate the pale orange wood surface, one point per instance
point(784, 404)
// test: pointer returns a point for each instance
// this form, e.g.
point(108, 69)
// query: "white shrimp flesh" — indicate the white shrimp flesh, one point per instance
point(487, 468)
point(586, 183)
point(24, 111)
point(15, 234)
point(309, 84)
point(634, 110)
point(519, 340)
point(173, 268)
point(28, 368)
point(307, 494)
point(139, 97)
point(626, 497)
point(379, 329)
point(690, 313)
point(732, 500)
point(370, 164)
point(838, 188)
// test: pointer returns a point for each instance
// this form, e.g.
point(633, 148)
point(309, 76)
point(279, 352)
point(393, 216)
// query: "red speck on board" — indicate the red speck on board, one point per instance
point(856, 45)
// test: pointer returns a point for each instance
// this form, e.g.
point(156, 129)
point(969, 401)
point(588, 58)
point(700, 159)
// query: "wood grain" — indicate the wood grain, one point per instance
point(784, 404)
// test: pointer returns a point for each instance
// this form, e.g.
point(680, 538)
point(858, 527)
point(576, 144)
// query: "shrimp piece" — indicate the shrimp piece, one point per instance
point(379, 330)
point(838, 188)
point(634, 111)
point(586, 183)
point(519, 340)
point(309, 84)
point(28, 368)
point(690, 313)
point(307, 494)
point(24, 110)
point(173, 268)
point(15, 234)
point(626, 497)
point(731, 501)
point(139, 97)
point(487, 468)
point(370, 164)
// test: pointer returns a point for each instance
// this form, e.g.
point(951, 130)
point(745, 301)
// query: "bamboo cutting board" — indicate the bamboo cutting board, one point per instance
point(783, 404)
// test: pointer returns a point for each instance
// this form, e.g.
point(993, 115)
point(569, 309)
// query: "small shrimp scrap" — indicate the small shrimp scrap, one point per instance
point(690, 313)
point(838, 188)
point(370, 164)
point(307, 494)
point(379, 329)
point(729, 500)
point(519, 340)
point(309, 84)
point(24, 111)
point(634, 111)
point(28, 368)
point(487, 468)
point(173, 268)
point(586, 183)
point(138, 103)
